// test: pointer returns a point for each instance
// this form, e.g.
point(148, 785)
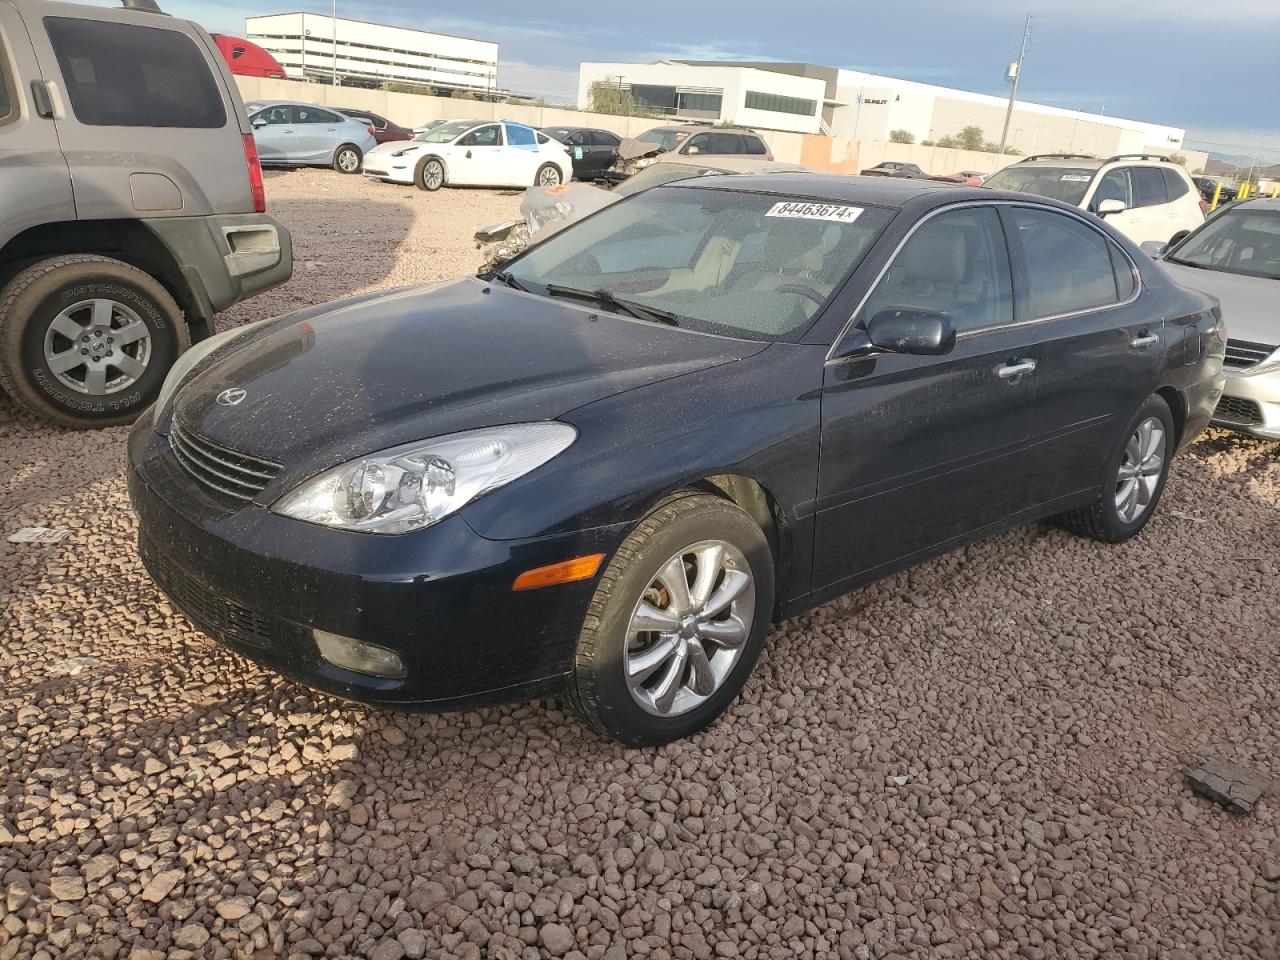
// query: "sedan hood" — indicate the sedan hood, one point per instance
point(422, 363)
point(632, 149)
point(1250, 305)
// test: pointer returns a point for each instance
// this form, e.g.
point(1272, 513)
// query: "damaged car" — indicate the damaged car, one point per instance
point(636, 153)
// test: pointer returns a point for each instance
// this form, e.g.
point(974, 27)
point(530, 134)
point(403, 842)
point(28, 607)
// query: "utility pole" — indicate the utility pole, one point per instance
point(1014, 74)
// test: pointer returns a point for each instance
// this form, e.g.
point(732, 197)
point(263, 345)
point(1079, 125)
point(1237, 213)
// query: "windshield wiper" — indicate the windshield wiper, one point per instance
point(502, 276)
point(607, 299)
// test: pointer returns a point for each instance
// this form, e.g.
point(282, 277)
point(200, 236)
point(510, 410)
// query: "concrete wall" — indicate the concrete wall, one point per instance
point(839, 154)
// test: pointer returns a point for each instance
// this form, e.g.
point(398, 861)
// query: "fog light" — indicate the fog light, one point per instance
point(359, 656)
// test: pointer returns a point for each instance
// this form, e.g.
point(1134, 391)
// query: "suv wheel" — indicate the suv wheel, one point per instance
point(86, 341)
point(347, 159)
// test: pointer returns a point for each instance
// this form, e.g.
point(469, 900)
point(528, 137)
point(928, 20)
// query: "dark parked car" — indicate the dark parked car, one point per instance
point(607, 469)
point(895, 168)
point(593, 151)
point(384, 131)
point(1208, 186)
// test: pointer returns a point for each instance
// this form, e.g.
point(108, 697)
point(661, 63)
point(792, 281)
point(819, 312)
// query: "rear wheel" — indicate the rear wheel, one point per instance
point(431, 174)
point(548, 176)
point(86, 341)
point(1135, 479)
point(677, 622)
point(347, 159)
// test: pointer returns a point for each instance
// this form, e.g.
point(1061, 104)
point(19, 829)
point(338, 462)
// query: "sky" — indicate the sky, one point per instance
point(1209, 66)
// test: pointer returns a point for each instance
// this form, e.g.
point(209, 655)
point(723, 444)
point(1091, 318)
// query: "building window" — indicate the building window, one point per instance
point(780, 104)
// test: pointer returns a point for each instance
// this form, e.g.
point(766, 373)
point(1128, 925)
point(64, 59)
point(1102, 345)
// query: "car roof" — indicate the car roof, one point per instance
point(700, 127)
point(1259, 203)
point(729, 162)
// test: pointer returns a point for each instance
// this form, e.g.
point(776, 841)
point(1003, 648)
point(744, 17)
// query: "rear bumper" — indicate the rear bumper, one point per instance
point(1251, 404)
point(226, 258)
point(441, 598)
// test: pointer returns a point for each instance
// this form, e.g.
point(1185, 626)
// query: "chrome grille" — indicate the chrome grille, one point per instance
point(1238, 410)
point(220, 468)
point(1244, 353)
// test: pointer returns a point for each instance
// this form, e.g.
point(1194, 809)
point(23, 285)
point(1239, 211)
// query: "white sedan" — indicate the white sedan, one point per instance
point(472, 153)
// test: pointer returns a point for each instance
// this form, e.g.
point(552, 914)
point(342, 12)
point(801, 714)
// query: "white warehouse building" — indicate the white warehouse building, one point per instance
point(370, 54)
point(808, 98)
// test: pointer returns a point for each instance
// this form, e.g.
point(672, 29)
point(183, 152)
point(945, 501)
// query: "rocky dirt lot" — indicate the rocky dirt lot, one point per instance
point(980, 757)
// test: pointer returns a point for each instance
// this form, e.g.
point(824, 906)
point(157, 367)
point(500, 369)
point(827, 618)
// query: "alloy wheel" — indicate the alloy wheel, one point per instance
point(433, 174)
point(689, 628)
point(97, 347)
point(348, 161)
point(1140, 469)
point(549, 176)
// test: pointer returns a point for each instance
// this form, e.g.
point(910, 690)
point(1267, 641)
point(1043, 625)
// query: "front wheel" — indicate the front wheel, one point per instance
point(1135, 479)
point(347, 159)
point(86, 341)
point(676, 624)
point(431, 175)
point(548, 176)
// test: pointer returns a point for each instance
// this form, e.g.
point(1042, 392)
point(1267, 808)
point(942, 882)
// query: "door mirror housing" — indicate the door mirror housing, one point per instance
point(912, 330)
point(259, 122)
point(1111, 205)
point(1154, 248)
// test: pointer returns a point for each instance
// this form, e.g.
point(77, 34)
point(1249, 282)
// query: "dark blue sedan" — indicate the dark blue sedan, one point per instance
point(607, 469)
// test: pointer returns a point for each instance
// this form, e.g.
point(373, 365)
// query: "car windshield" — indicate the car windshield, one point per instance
point(1067, 184)
point(445, 131)
point(667, 139)
point(748, 265)
point(658, 174)
point(1236, 241)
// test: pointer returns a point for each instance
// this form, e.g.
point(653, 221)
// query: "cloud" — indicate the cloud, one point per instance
point(555, 83)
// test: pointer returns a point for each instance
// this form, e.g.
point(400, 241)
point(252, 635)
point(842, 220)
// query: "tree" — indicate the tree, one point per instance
point(610, 98)
point(1179, 158)
point(901, 136)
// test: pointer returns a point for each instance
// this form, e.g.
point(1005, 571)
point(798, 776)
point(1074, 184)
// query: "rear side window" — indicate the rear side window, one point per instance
point(518, 136)
point(1175, 186)
point(1148, 186)
point(603, 138)
point(1125, 283)
point(1068, 264)
point(314, 115)
point(754, 145)
point(121, 75)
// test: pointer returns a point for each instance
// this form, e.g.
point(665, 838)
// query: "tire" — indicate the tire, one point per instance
point(347, 159)
point(599, 687)
point(61, 293)
point(431, 175)
point(548, 175)
point(1104, 520)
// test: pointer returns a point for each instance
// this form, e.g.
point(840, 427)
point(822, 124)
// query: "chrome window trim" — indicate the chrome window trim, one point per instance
point(982, 331)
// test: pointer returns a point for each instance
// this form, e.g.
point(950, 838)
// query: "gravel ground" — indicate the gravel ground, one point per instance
point(980, 757)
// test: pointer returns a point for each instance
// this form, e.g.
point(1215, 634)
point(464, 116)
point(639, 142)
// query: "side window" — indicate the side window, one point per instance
point(1175, 185)
point(956, 262)
point(482, 137)
point(8, 104)
point(518, 136)
point(1068, 263)
point(1125, 284)
point(603, 138)
point(702, 141)
point(1114, 185)
point(1148, 186)
point(314, 115)
point(275, 116)
point(754, 145)
point(119, 74)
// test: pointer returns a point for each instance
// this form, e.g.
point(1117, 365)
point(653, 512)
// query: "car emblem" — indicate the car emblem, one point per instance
point(231, 396)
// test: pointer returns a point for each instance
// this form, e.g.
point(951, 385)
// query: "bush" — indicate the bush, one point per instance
point(902, 136)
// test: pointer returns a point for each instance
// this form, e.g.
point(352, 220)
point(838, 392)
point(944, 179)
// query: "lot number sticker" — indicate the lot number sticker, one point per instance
point(815, 211)
point(1076, 178)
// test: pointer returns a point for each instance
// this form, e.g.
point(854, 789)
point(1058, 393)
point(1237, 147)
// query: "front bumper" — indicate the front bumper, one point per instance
point(1251, 403)
point(441, 598)
point(390, 169)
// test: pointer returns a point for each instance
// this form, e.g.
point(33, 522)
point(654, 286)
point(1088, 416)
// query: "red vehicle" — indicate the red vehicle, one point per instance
point(383, 130)
point(248, 59)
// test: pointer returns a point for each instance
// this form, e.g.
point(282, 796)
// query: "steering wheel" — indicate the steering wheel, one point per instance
point(803, 290)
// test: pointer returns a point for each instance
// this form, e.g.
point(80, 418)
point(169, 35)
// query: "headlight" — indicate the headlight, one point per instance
point(410, 487)
point(402, 151)
point(190, 360)
point(641, 164)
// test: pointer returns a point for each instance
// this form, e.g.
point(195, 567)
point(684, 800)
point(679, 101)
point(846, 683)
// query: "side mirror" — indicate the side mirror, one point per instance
point(1177, 238)
point(914, 330)
point(259, 122)
point(1111, 206)
point(1154, 248)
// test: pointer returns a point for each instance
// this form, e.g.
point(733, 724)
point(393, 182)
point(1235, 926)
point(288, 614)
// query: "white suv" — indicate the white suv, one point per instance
point(1145, 197)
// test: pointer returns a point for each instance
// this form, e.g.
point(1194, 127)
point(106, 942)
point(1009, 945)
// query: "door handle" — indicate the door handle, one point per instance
point(1015, 369)
point(468, 154)
point(1144, 339)
point(40, 94)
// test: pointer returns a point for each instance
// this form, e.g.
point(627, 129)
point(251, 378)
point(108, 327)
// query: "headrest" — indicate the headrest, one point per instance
point(938, 253)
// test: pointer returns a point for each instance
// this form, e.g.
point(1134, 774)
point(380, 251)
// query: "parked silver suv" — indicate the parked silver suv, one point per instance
point(131, 205)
